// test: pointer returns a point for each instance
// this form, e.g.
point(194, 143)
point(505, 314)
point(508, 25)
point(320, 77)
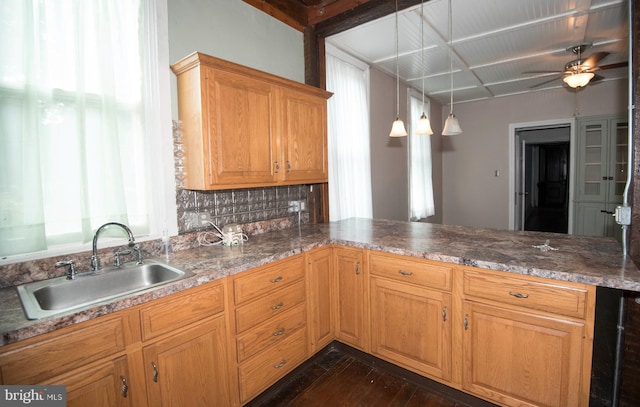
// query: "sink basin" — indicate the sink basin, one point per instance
point(57, 295)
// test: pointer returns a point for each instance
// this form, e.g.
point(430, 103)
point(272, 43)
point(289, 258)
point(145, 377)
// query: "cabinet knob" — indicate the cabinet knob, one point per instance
point(279, 332)
point(276, 280)
point(288, 166)
point(405, 273)
point(357, 268)
point(466, 322)
point(276, 166)
point(279, 365)
point(277, 306)
point(444, 314)
point(518, 295)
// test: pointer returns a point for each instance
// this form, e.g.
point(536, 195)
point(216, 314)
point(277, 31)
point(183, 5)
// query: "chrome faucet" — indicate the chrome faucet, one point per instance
point(95, 260)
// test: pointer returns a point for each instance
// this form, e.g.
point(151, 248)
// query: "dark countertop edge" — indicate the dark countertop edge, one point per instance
point(29, 328)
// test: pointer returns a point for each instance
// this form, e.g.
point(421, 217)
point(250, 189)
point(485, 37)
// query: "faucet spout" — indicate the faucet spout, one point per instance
point(95, 260)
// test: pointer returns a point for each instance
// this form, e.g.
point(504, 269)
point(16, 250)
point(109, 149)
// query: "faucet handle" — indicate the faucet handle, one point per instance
point(117, 254)
point(138, 251)
point(71, 270)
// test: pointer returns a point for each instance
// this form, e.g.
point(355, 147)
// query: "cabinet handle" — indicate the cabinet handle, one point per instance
point(276, 166)
point(278, 332)
point(125, 388)
point(155, 372)
point(288, 166)
point(276, 280)
point(518, 295)
point(357, 268)
point(279, 365)
point(466, 322)
point(444, 314)
point(277, 306)
point(405, 273)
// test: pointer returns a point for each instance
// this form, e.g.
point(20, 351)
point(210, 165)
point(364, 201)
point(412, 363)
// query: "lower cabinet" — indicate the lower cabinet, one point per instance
point(103, 385)
point(410, 318)
point(189, 368)
point(320, 298)
point(351, 297)
point(526, 341)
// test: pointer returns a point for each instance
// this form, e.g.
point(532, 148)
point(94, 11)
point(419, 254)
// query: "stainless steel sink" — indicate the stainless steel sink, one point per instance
point(50, 297)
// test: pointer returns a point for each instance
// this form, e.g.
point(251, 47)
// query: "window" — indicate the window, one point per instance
point(79, 132)
point(348, 123)
point(420, 179)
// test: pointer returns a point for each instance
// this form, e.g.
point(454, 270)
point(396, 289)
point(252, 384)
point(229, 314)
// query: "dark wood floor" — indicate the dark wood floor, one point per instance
point(342, 376)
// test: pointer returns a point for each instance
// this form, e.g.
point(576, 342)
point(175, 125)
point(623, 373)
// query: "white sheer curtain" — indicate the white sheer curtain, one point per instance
point(73, 119)
point(348, 123)
point(420, 179)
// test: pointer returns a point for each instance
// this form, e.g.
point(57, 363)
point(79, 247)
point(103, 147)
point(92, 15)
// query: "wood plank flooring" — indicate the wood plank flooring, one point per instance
point(342, 376)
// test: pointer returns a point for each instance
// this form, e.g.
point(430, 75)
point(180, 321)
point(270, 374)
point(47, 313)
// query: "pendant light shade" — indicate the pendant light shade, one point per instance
point(451, 125)
point(397, 129)
point(423, 128)
point(578, 80)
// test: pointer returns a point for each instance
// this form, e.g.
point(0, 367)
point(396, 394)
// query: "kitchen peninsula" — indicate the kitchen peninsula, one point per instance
point(454, 275)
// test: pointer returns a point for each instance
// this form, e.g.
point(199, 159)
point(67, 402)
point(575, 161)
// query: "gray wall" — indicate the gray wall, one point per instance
point(472, 195)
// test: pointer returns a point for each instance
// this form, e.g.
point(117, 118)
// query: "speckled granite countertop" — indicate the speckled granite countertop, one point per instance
point(590, 260)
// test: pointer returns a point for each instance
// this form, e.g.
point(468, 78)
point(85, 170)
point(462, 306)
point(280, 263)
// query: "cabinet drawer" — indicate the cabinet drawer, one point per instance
point(271, 305)
point(165, 315)
point(272, 331)
point(266, 279)
point(402, 268)
point(532, 294)
point(56, 353)
point(266, 368)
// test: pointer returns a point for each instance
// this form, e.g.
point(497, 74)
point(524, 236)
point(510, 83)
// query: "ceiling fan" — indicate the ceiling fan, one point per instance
point(580, 72)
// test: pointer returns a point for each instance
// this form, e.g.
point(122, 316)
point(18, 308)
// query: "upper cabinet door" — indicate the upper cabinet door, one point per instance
point(304, 137)
point(241, 144)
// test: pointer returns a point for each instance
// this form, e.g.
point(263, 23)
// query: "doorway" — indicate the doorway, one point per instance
point(543, 178)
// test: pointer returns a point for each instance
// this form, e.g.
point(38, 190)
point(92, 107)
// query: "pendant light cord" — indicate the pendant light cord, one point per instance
point(397, 69)
point(451, 54)
point(422, 48)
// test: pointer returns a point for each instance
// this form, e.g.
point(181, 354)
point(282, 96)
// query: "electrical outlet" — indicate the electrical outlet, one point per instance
point(623, 215)
point(197, 219)
point(294, 206)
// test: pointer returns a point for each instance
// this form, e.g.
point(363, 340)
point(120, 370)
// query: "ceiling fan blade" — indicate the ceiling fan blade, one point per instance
point(545, 82)
point(612, 66)
point(538, 72)
point(593, 60)
point(596, 78)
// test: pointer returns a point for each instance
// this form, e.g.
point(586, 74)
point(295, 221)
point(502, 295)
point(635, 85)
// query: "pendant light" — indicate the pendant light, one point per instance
point(451, 125)
point(397, 129)
point(423, 128)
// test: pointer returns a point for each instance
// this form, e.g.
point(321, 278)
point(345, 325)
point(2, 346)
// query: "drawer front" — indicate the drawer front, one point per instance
point(531, 294)
point(270, 332)
point(165, 315)
point(58, 353)
point(421, 272)
point(267, 367)
point(267, 279)
point(277, 303)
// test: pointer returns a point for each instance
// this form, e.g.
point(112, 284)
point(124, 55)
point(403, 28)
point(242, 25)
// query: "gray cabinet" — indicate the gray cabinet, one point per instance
point(601, 174)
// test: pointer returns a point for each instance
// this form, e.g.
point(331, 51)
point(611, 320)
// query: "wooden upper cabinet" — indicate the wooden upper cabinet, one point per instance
point(245, 128)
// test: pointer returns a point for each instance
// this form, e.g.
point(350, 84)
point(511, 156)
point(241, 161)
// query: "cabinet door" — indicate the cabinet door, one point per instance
point(319, 298)
point(411, 326)
point(520, 359)
point(351, 307)
point(618, 159)
point(189, 368)
point(241, 147)
point(105, 385)
point(593, 158)
point(304, 137)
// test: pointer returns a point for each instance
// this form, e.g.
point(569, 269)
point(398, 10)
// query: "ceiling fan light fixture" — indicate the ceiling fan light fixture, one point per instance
point(398, 129)
point(451, 126)
point(578, 80)
point(423, 128)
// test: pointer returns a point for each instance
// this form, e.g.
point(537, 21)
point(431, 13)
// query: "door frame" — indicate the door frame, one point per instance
point(514, 156)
